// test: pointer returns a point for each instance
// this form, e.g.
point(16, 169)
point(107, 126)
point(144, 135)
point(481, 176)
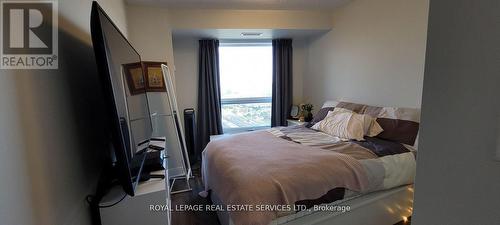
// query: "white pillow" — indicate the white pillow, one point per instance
point(370, 126)
point(342, 124)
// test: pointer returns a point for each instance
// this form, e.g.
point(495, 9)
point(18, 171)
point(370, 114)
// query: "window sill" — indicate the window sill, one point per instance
point(244, 129)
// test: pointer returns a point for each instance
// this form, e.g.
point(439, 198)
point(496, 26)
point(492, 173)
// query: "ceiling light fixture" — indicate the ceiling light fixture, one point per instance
point(252, 34)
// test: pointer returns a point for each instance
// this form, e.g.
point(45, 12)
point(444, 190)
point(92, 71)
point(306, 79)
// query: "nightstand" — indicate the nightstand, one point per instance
point(292, 122)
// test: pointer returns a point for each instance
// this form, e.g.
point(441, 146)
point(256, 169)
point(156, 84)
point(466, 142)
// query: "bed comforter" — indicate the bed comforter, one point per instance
point(266, 171)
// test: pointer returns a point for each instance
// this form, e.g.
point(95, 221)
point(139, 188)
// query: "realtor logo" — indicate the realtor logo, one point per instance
point(29, 35)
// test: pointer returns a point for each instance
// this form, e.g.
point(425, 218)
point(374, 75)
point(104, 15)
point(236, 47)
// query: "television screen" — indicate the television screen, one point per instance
point(123, 82)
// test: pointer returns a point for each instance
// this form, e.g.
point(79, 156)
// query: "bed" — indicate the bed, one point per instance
point(299, 175)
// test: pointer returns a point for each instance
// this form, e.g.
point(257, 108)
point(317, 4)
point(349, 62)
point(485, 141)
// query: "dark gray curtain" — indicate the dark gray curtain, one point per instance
point(282, 81)
point(209, 103)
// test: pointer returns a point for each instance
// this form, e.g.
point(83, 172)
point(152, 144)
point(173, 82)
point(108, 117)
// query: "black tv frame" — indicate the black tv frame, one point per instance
point(122, 167)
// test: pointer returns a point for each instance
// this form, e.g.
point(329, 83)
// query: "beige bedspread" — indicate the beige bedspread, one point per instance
point(258, 168)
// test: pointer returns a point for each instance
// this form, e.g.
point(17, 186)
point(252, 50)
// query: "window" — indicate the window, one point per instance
point(246, 85)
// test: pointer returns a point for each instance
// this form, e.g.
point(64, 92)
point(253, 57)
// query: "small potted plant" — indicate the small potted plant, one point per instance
point(307, 112)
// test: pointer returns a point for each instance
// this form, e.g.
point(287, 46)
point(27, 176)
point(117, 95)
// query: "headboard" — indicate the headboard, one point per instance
point(400, 124)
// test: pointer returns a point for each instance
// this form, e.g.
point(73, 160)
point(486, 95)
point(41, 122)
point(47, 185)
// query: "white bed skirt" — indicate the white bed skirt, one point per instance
point(385, 207)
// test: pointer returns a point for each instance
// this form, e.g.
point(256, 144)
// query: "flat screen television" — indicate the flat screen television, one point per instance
point(123, 83)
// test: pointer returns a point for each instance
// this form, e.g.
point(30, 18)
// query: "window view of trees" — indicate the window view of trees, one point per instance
point(246, 115)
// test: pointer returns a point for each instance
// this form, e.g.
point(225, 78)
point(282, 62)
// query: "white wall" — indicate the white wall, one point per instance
point(50, 128)
point(15, 187)
point(150, 32)
point(76, 15)
point(186, 56)
point(457, 180)
point(374, 54)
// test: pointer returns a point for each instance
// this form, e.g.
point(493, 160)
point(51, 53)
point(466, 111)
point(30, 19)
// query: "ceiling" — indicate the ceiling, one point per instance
point(236, 34)
point(245, 4)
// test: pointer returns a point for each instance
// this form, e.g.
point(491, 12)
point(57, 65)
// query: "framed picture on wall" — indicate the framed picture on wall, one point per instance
point(154, 76)
point(135, 78)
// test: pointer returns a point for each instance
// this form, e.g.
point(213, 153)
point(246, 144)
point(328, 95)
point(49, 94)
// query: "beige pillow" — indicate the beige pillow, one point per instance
point(374, 129)
point(370, 125)
point(346, 124)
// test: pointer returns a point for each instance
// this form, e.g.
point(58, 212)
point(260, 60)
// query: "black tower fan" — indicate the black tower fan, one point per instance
point(190, 130)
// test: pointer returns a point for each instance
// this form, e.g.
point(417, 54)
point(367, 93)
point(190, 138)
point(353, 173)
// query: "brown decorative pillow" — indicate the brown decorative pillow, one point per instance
point(401, 131)
point(320, 115)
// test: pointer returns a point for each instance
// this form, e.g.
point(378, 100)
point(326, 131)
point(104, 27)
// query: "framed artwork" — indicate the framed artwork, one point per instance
point(154, 76)
point(135, 78)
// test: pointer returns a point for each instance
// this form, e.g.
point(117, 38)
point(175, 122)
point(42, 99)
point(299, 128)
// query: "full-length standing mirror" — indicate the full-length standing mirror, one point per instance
point(175, 126)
